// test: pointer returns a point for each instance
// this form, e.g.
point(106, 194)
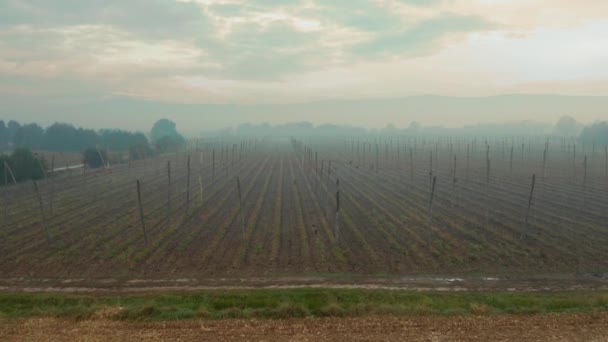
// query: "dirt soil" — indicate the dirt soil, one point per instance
point(554, 327)
point(547, 282)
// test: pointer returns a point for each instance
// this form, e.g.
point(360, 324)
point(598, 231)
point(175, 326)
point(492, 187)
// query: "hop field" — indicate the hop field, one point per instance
point(318, 206)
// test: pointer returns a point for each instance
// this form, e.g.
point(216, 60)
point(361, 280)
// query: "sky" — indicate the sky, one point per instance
point(71, 53)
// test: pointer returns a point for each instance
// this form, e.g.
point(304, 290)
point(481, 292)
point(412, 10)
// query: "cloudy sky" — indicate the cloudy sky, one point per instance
point(269, 51)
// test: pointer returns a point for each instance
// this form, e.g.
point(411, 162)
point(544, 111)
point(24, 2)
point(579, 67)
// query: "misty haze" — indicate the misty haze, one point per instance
point(230, 170)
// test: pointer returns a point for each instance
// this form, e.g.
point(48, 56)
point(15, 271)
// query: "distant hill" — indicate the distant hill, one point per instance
point(133, 113)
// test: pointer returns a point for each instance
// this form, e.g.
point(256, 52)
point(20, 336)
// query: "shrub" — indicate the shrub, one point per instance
point(95, 158)
point(24, 164)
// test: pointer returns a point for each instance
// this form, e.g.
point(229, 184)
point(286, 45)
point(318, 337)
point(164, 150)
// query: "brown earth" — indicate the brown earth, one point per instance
point(551, 327)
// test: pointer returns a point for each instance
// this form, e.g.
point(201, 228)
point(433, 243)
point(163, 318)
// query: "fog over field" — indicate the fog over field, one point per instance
point(433, 111)
point(315, 170)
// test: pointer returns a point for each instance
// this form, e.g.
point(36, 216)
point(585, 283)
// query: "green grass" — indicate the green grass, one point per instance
point(221, 304)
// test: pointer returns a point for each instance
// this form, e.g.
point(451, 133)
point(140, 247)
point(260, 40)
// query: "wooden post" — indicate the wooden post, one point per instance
point(529, 205)
point(511, 162)
point(431, 210)
point(5, 193)
point(431, 169)
point(327, 206)
point(188, 185)
point(42, 168)
point(105, 166)
point(544, 162)
point(168, 192)
point(337, 229)
point(454, 183)
point(141, 212)
point(238, 186)
point(200, 184)
point(49, 238)
point(585, 174)
point(606, 158)
point(584, 183)
point(468, 160)
point(487, 184)
point(52, 191)
point(377, 156)
point(8, 168)
point(411, 165)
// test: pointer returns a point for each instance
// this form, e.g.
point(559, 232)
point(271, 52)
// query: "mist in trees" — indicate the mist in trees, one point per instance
point(165, 128)
point(595, 134)
point(165, 136)
point(30, 135)
point(63, 137)
point(568, 126)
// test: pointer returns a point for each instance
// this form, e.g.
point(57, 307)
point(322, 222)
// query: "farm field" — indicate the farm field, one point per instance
point(281, 218)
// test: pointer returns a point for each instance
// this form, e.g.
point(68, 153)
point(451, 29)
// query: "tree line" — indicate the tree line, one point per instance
point(62, 137)
point(22, 164)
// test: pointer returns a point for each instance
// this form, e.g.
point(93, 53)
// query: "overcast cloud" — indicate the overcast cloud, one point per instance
point(265, 51)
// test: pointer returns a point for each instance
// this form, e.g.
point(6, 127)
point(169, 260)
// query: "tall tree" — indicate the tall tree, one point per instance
point(567, 126)
point(3, 135)
point(30, 135)
point(12, 128)
point(165, 128)
point(24, 165)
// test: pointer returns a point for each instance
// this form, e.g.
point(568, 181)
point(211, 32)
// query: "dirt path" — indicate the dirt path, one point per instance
point(555, 327)
point(416, 283)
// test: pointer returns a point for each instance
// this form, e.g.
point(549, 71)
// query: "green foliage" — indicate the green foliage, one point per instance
point(165, 130)
point(168, 144)
point(115, 139)
point(64, 137)
point(24, 164)
point(30, 135)
point(93, 158)
point(141, 151)
point(11, 129)
point(221, 304)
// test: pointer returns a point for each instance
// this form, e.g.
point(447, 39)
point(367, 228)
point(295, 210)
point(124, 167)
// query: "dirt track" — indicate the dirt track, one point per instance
point(549, 282)
point(557, 327)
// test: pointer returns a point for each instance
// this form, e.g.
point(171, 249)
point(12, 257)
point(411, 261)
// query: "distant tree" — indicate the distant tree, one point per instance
point(595, 134)
point(12, 128)
point(121, 140)
point(165, 128)
point(24, 164)
point(30, 135)
point(63, 137)
point(168, 144)
point(3, 135)
point(86, 138)
point(141, 151)
point(567, 126)
point(93, 158)
point(414, 126)
point(4, 180)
